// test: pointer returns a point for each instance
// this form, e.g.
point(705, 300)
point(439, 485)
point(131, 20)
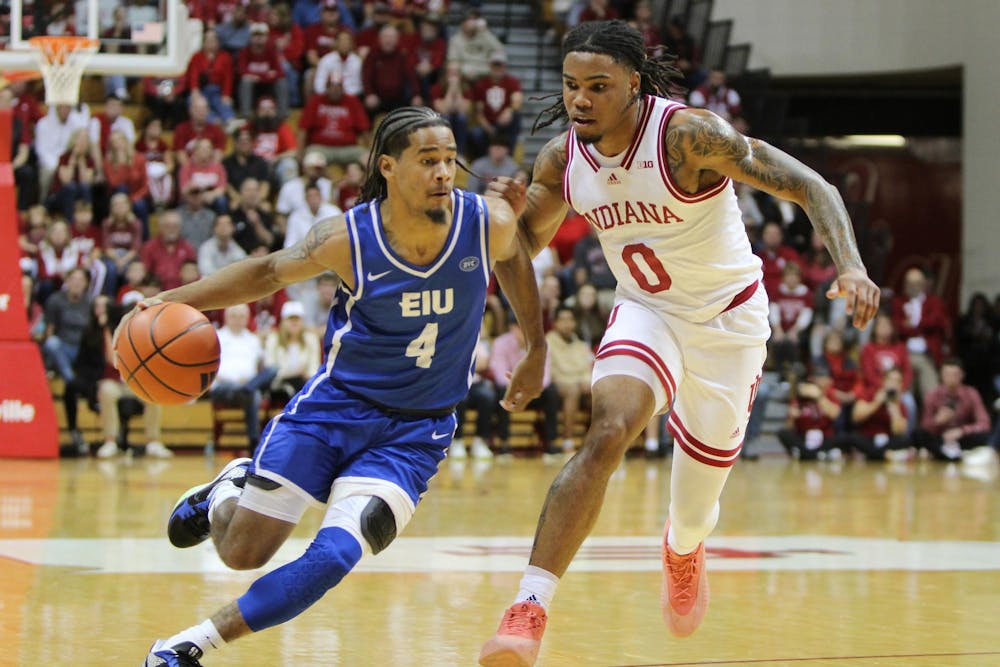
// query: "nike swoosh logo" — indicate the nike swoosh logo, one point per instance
point(374, 277)
point(437, 436)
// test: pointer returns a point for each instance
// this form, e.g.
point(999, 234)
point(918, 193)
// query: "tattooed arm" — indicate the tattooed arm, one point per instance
point(700, 146)
point(325, 248)
point(545, 208)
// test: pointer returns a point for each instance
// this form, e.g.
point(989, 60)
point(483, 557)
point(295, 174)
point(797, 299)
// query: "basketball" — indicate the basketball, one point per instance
point(168, 354)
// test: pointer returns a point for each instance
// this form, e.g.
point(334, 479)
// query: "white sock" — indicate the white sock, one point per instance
point(695, 488)
point(205, 636)
point(224, 491)
point(538, 586)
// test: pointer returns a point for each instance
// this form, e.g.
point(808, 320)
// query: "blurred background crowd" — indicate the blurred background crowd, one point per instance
point(267, 131)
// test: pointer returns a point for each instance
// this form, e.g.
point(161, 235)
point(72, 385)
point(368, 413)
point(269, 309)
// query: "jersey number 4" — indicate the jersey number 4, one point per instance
point(651, 277)
point(421, 348)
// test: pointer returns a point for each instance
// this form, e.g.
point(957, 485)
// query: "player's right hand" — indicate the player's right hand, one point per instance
point(142, 305)
point(514, 191)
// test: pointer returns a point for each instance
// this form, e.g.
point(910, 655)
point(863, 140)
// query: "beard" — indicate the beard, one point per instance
point(437, 215)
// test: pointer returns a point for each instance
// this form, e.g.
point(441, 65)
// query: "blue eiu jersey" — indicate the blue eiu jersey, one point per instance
point(406, 336)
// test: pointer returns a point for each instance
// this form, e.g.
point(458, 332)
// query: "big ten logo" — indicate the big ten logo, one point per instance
point(427, 302)
point(4, 302)
point(14, 411)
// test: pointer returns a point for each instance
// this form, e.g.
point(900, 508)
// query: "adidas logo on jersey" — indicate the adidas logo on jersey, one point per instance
point(613, 179)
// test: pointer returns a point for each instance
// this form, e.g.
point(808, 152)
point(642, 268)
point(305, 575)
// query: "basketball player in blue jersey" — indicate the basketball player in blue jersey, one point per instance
point(688, 331)
point(368, 431)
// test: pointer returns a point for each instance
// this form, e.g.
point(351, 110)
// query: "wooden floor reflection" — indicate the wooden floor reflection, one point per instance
point(87, 577)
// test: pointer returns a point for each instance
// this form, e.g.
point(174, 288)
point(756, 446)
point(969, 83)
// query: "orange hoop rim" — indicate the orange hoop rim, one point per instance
point(55, 48)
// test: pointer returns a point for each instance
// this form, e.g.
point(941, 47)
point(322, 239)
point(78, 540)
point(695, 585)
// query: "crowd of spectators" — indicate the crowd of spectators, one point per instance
point(267, 132)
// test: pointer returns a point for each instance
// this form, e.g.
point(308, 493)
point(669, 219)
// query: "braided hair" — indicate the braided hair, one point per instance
point(391, 138)
point(623, 43)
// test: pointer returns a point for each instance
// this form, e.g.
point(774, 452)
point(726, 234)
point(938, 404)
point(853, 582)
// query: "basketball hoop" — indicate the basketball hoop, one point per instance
point(61, 60)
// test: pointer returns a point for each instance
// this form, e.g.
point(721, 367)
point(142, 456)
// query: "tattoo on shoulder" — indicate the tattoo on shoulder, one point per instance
point(552, 158)
point(315, 238)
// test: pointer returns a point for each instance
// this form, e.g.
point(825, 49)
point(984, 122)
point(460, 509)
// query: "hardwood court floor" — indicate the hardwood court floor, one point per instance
point(810, 565)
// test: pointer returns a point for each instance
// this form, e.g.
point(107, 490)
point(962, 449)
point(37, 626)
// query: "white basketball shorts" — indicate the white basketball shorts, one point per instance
point(706, 373)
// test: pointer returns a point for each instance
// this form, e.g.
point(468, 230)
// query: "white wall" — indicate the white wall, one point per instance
point(815, 37)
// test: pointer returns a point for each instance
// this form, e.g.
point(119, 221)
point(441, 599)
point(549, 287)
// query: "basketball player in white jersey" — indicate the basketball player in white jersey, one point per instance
point(688, 330)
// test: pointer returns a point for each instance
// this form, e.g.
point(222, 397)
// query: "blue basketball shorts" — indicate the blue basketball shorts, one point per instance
point(329, 444)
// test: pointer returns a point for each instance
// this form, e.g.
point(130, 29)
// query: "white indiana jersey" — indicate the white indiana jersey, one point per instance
point(687, 255)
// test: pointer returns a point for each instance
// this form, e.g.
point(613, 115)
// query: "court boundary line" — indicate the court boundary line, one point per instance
point(756, 661)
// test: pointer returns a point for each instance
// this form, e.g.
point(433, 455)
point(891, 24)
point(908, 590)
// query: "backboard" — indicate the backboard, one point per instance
point(159, 39)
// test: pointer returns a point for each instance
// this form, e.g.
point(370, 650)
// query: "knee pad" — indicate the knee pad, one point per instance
point(378, 524)
point(374, 513)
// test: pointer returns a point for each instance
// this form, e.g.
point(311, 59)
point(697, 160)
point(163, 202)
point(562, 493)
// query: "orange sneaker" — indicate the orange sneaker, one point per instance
point(518, 638)
point(684, 596)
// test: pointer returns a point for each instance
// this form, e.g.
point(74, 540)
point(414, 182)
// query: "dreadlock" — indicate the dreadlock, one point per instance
point(658, 74)
point(391, 138)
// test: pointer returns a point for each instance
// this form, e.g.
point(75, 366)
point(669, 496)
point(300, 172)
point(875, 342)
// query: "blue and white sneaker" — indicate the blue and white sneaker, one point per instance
point(188, 523)
point(181, 655)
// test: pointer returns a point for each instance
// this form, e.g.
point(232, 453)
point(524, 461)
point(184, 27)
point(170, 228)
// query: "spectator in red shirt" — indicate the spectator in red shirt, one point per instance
point(74, 176)
point(86, 237)
point(210, 72)
point(122, 233)
point(260, 70)
point(955, 418)
point(923, 324)
point(879, 417)
point(367, 39)
point(498, 99)
point(818, 269)
point(883, 351)
point(348, 188)
point(389, 80)
point(198, 127)
point(717, 97)
point(644, 23)
point(125, 171)
point(451, 97)
point(598, 10)
point(847, 380)
point(812, 413)
point(321, 38)
point(159, 162)
point(275, 141)
point(22, 159)
point(205, 176)
point(164, 254)
point(26, 107)
point(427, 55)
point(334, 124)
point(57, 256)
point(289, 41)
point(774, 255)
point(791, 315)
point(108, 121)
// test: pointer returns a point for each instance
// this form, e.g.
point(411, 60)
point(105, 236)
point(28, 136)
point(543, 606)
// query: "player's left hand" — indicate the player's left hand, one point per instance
point(525, 382)
point(861, 293)
point(514, 191)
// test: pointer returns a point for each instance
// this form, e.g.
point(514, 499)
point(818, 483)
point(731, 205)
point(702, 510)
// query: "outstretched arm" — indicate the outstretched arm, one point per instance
point(699, 140)
point(544, 210)
point(517, 279)
point(325, 248)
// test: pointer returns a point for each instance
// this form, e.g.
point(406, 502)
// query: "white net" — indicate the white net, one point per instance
point(61, 61)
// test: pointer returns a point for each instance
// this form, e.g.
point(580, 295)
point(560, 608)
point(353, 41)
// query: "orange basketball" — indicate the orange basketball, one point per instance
point(168, 354)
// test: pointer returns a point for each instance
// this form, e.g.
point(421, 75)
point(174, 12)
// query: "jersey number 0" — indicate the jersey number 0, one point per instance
point(653, 268)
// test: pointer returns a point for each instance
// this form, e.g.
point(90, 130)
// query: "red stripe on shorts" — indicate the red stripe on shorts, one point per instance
point(743, 296)
point(628, 342)
point(695, 454)
point(641, 356)
point(701, 446)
